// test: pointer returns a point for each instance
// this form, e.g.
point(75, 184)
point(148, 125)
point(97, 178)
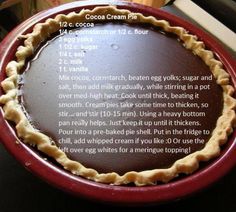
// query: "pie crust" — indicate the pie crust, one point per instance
point(25, 131)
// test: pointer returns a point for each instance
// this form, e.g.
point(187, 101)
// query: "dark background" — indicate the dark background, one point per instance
point(21, 191)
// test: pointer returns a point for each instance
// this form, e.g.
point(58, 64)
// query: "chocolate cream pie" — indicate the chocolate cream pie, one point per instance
point(117, 97)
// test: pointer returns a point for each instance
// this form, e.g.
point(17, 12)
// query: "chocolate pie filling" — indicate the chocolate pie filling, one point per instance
point(150, 54)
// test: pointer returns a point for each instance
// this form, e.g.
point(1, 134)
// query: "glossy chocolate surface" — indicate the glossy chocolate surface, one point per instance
point(152, 54)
